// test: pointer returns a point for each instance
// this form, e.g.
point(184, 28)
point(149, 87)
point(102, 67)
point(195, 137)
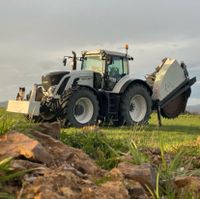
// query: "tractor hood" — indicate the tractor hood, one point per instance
point(52, 78)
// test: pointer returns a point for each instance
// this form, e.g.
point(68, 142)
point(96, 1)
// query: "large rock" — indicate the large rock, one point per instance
point(135, 189)
point(61, 184)
point(56, 184)
point(60, 171)
point(145, 173)
point(63, 154)
point(52, 129)
point(14, 144)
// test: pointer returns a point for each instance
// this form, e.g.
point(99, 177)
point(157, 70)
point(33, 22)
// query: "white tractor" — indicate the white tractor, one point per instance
point(104, 90)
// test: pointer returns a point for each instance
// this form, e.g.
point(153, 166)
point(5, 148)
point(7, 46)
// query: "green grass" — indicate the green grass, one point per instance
point(106, 144)
point(176, 137)
point(12, 121)
point(175, 133)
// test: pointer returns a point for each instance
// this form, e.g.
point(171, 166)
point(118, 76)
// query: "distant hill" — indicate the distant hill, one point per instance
point(193, 109)
point(3, 104)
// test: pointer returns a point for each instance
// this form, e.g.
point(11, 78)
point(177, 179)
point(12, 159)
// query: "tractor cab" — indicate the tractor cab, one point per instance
point(112, 66)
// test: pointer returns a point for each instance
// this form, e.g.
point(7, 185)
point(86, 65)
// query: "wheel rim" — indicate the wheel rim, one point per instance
point(138, 108)
point(83, 110)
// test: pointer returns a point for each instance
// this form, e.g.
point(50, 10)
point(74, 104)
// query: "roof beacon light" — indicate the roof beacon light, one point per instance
point(126, 47)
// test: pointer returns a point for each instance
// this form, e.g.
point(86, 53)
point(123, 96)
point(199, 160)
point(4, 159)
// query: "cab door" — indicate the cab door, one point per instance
point(116, 68)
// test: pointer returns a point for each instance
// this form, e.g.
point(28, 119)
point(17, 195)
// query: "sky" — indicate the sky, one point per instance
point(35, 35)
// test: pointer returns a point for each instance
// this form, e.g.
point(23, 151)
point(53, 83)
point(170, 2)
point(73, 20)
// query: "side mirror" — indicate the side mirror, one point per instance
point(65, 61)
point(131, 59)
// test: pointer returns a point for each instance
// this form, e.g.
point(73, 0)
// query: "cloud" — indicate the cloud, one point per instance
point(193, 101)
point(36, 34)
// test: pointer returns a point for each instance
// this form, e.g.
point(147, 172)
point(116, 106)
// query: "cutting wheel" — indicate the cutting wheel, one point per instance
point(176, 106)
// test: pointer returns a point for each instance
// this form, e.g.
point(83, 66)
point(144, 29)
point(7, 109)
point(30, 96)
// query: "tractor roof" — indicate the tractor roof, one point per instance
point(107, 52)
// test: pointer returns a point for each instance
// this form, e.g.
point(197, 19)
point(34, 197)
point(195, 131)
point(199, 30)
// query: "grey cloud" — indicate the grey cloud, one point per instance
point(36, 34)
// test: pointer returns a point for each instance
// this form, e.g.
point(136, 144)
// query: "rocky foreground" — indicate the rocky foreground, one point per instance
point(60, 171)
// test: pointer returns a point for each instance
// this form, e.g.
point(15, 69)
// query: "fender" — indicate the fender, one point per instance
point(127, 81)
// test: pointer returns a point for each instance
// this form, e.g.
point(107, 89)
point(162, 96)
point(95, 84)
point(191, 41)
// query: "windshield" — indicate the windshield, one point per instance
point(93, 63)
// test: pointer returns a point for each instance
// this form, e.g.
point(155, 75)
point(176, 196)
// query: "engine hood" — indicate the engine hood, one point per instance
point(52, 78)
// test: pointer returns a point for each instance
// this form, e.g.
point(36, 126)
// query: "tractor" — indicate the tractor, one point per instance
point(104, 90)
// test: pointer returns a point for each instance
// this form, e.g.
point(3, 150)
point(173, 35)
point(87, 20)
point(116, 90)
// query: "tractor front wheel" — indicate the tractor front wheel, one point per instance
point(80, 107)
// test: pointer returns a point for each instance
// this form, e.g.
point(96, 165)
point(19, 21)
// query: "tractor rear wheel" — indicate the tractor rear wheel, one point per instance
point(136, 105)
point(80, 107)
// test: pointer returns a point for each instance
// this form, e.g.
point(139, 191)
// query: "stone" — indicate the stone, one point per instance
point(53, 129)
point(15, 144)
point(187, 186)
point(156, 151)
point(70, 173)
point(48, 194)
point(57, 183)
point(157, 160)
point(145, 173)
point(191, 183)
point(25, 164)
point(108, 190)
point(135, 189)
point(62, 153)
point(115, 174)
point(68, 192)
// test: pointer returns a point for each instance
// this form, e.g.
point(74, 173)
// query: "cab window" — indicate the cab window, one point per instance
point(117, 68)
point(93, 63)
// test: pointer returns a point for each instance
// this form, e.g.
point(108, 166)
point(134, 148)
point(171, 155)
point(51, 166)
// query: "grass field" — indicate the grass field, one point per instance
point(106, 144)
point(174, 135)
point(182, 131)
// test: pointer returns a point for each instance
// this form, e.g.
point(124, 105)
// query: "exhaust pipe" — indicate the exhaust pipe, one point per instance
point(74, 65)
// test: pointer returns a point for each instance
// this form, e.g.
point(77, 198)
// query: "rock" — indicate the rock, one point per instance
point(156, 160)
point(48, 194)
point(68, 192)
point(135, 189)
point(182, 181)
point(60, 171)
point(52, 129)
point(190, 183)
point(115, 174)
point(108, 190)
point(156, 151)
point(57, 183)
point(24, 164)
point(62, 153)
point(187, 187)
point(145, 173)
point(14, 144)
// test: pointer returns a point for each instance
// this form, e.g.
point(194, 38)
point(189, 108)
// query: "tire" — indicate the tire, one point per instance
point(120, 122)
point(80, 107)
point(136, 105)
